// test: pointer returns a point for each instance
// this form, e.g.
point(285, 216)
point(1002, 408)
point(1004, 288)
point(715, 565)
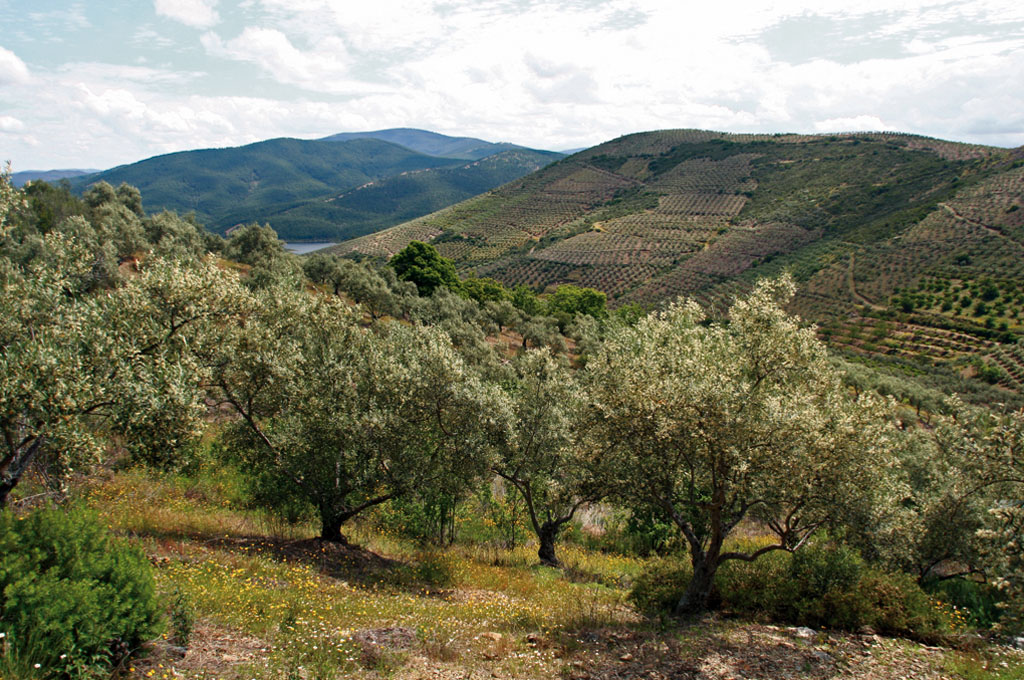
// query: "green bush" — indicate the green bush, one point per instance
point(754, 587)
point(820, 588)
point(898, 606)
point(431, 519)
point(657, 590)
point(979, 602)
point(825, 584)
point(72, 599)
point(642, 532)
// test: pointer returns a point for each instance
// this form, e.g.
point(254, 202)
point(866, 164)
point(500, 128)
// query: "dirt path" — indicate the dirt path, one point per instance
point(963, 218)
point(853, 288)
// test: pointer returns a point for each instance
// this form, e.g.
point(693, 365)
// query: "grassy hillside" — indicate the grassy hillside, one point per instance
point(894, 238)
point(385, 202)
point(217, 182)
point(431, 143)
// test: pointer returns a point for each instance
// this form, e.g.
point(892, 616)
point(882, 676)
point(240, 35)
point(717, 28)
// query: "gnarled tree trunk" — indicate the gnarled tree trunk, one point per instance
point(547, 535)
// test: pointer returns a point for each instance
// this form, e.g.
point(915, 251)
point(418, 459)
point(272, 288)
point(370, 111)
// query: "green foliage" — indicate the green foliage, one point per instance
point(485, 290)
point(658, 588)
point(537, 444)
point(51, 204)
point(81, 366)
point(898, 606)
point(826, 584)
point(989, 373)
point(526, 300)
point(421, 264)
point(981, 601)
point(428, 518)
point(347, 417)
point(821, 578)
point(643, 531)
point(183, 618)
point(569, 300)
point(259, 247)
point(712, 423)
point(758, 588)
point(72, 598)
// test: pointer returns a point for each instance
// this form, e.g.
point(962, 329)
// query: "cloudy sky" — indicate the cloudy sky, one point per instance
point(96, 84)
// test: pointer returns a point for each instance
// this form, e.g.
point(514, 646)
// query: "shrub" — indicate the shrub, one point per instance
point(824, 584)
point(898, 606)
point(657, 590)
point(183, 617)
point(642, 532)
point(754, 587)
point(820, 578)
point(979, 601)
point(72, 599)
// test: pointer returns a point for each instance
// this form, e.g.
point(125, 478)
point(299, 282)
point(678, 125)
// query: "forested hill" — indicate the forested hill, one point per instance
point(213, 182)
point(908, 250)
point(392, 200)
point(300, 187)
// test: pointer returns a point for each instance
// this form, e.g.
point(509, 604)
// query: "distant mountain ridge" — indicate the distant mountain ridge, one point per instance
point(431, 143)
point(299, 186)
point(20, 179)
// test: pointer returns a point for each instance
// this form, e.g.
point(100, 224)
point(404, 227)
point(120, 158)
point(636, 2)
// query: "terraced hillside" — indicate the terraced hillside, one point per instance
point(910, 250)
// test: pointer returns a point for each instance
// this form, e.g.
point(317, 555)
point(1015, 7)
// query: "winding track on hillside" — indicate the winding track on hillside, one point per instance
point(853, 288)
point(963, 218)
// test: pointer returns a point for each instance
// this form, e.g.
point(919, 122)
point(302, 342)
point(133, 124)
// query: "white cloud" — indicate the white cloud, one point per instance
point(147, 36)
point(324, 68)
point(545, 73)
point(12, 69)
point(194, 13)
point(108, 74)
point(851, 124)
point(11, 124)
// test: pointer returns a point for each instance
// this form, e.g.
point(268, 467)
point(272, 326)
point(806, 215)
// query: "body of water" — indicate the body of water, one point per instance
point(303, 247)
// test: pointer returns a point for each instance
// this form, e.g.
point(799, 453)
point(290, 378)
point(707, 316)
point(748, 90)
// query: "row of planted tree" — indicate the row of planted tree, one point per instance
point(347, 385)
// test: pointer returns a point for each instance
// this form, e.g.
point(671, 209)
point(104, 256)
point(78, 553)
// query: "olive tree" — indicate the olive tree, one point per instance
point(347, 417)
point(983, 452)
point(538, 454)
point(958, 510)
point(76, 368)
point(714, 423)
point(259, 247)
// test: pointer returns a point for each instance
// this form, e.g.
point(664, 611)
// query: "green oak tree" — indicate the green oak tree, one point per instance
point(420, 263)
point(569, 300)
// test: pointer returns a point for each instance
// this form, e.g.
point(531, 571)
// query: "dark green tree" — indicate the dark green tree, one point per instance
point(485, 290)
point(420, 263)
point(569, 300)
